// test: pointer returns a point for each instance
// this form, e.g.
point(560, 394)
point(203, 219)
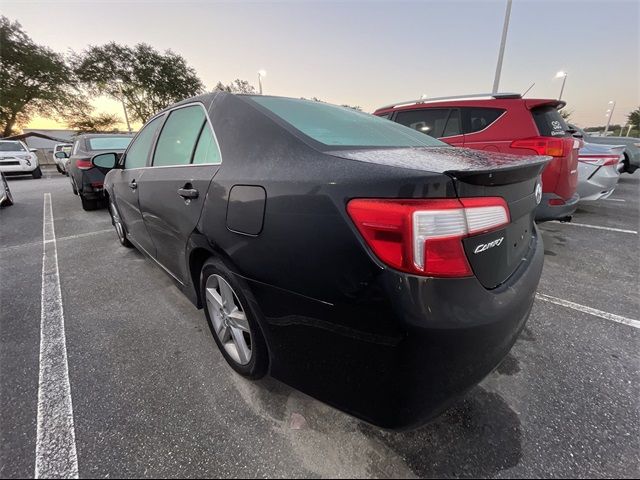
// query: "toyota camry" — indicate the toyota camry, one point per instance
point(353, 258)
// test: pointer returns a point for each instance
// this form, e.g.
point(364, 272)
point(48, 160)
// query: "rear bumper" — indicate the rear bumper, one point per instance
point(91, 183)
point(397, 351)
point(546, 212)
point(597, 182)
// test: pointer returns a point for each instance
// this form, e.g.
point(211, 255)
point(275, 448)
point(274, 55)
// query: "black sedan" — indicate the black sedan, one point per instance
point(87, 181)
point(360, 261)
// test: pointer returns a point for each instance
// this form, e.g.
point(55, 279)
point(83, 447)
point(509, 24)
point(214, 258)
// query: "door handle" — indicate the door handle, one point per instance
point(188, 193)
point(133, 185)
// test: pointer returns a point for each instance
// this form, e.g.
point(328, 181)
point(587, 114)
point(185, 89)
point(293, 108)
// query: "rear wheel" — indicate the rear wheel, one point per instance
point(232, 320)
point(88, 204)
point(119, 226)
point(37, 173)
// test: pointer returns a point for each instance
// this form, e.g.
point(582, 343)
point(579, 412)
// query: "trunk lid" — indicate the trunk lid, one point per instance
point(495, 255)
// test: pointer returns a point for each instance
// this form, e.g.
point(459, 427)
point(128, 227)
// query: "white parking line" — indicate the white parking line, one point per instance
point(591, 311)
point(56, 455)
point(614, 200)
point(59, 239)
point(597, 227)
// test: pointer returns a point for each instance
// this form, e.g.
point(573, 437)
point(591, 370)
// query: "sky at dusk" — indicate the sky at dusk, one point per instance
point(370, 53)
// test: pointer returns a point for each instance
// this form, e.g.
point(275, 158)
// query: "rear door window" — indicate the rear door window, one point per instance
point(139, 150)
point(207, 150)
point(549, 122)
point(477, 119)
point(430, 121)
point(178, 136)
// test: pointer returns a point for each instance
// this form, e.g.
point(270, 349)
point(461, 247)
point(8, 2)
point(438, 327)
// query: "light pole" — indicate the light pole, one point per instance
point(126, 116)
point(562, 75)
point(261, 74)
point(610, 114)
point(505, 29)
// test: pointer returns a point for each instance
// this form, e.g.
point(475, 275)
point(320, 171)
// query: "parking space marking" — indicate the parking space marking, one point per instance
point(597, 227)
point(59, 239)
point(591, 311)
point(56, 455)
point(614, 200)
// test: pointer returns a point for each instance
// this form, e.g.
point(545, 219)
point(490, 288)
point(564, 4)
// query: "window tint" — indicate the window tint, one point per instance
point(109, 143)
point(178, 137)
point(477, 119)
point(430, 121)
point(549, 122)
point(340, 126)
point(207, 150)
point(139, 149)
point(454, 125)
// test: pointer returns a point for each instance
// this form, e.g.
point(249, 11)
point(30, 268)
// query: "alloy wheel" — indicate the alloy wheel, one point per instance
point(229, 319)
point(117, 222)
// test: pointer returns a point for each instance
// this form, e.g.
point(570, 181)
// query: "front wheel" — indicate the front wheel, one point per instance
point(118, 225)
point(232, 320)
point(37, 173)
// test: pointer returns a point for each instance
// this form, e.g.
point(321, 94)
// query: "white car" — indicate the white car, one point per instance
point(61, 162)
point(17, 159)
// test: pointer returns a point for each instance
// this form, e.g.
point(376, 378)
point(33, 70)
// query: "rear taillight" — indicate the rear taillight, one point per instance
point(84, 163)
point(600, 160)
point(424, 237)
point(541, 145)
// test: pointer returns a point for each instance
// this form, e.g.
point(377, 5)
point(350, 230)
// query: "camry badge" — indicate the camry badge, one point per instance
point(486, 246)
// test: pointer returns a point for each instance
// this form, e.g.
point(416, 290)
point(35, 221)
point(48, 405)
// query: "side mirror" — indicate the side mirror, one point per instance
point(33, 150)
point(105, 161)
point(61, 155)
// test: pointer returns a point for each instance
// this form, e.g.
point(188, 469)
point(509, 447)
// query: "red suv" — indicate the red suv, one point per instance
point(504, 123)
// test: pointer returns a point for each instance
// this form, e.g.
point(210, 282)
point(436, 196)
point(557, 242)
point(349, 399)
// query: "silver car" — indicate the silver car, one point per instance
point(631, 147)
point(599, 169)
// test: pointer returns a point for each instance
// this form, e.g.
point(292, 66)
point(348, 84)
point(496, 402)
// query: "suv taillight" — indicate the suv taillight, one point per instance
point(424, 237)
point(84, 163)
point(541, 145)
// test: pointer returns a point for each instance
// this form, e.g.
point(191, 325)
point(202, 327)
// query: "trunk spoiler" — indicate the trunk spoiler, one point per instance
point(503, 174)
point(537, 102)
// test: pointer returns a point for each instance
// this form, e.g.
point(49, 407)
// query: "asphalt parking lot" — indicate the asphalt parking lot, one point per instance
point(153, 397)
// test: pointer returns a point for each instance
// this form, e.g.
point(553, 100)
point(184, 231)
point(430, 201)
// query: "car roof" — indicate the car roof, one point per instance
point(495, 100)
point(85, 136)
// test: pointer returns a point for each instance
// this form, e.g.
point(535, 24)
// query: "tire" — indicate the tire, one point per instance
point(121, 230)
point(88, 204)
point(37, 173)
point(213, 273)
point(59, 169)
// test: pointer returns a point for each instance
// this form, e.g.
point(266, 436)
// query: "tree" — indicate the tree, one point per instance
point(86, 123)
point(145, 79)
point(634, 119)
point(237, 86)
point(33, 79)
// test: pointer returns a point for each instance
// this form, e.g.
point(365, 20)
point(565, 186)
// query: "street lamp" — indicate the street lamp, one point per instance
point(126, 117)
point(609, 115)
point(261, 75)
point(562, 75)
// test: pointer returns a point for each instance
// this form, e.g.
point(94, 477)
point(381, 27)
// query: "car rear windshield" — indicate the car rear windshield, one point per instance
point(11, 147)
point(549, 122)
point(109, 143)
point(341, 126)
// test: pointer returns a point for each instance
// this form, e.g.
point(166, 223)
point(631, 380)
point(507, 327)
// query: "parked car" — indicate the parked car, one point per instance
point(17, 159)
point(504, 123)
point(366, 264)
point(631, 147)
point(61, 161)
point(6, 199)
point(599, 169)
point(87, 181)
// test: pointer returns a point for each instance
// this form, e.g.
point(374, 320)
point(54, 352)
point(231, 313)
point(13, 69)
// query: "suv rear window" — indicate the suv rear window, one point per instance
point(476, 119)
point(109, 143)
point(339, 126)
point(549, 122)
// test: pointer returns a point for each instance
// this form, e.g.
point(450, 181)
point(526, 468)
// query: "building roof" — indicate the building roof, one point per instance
point(26, 135)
